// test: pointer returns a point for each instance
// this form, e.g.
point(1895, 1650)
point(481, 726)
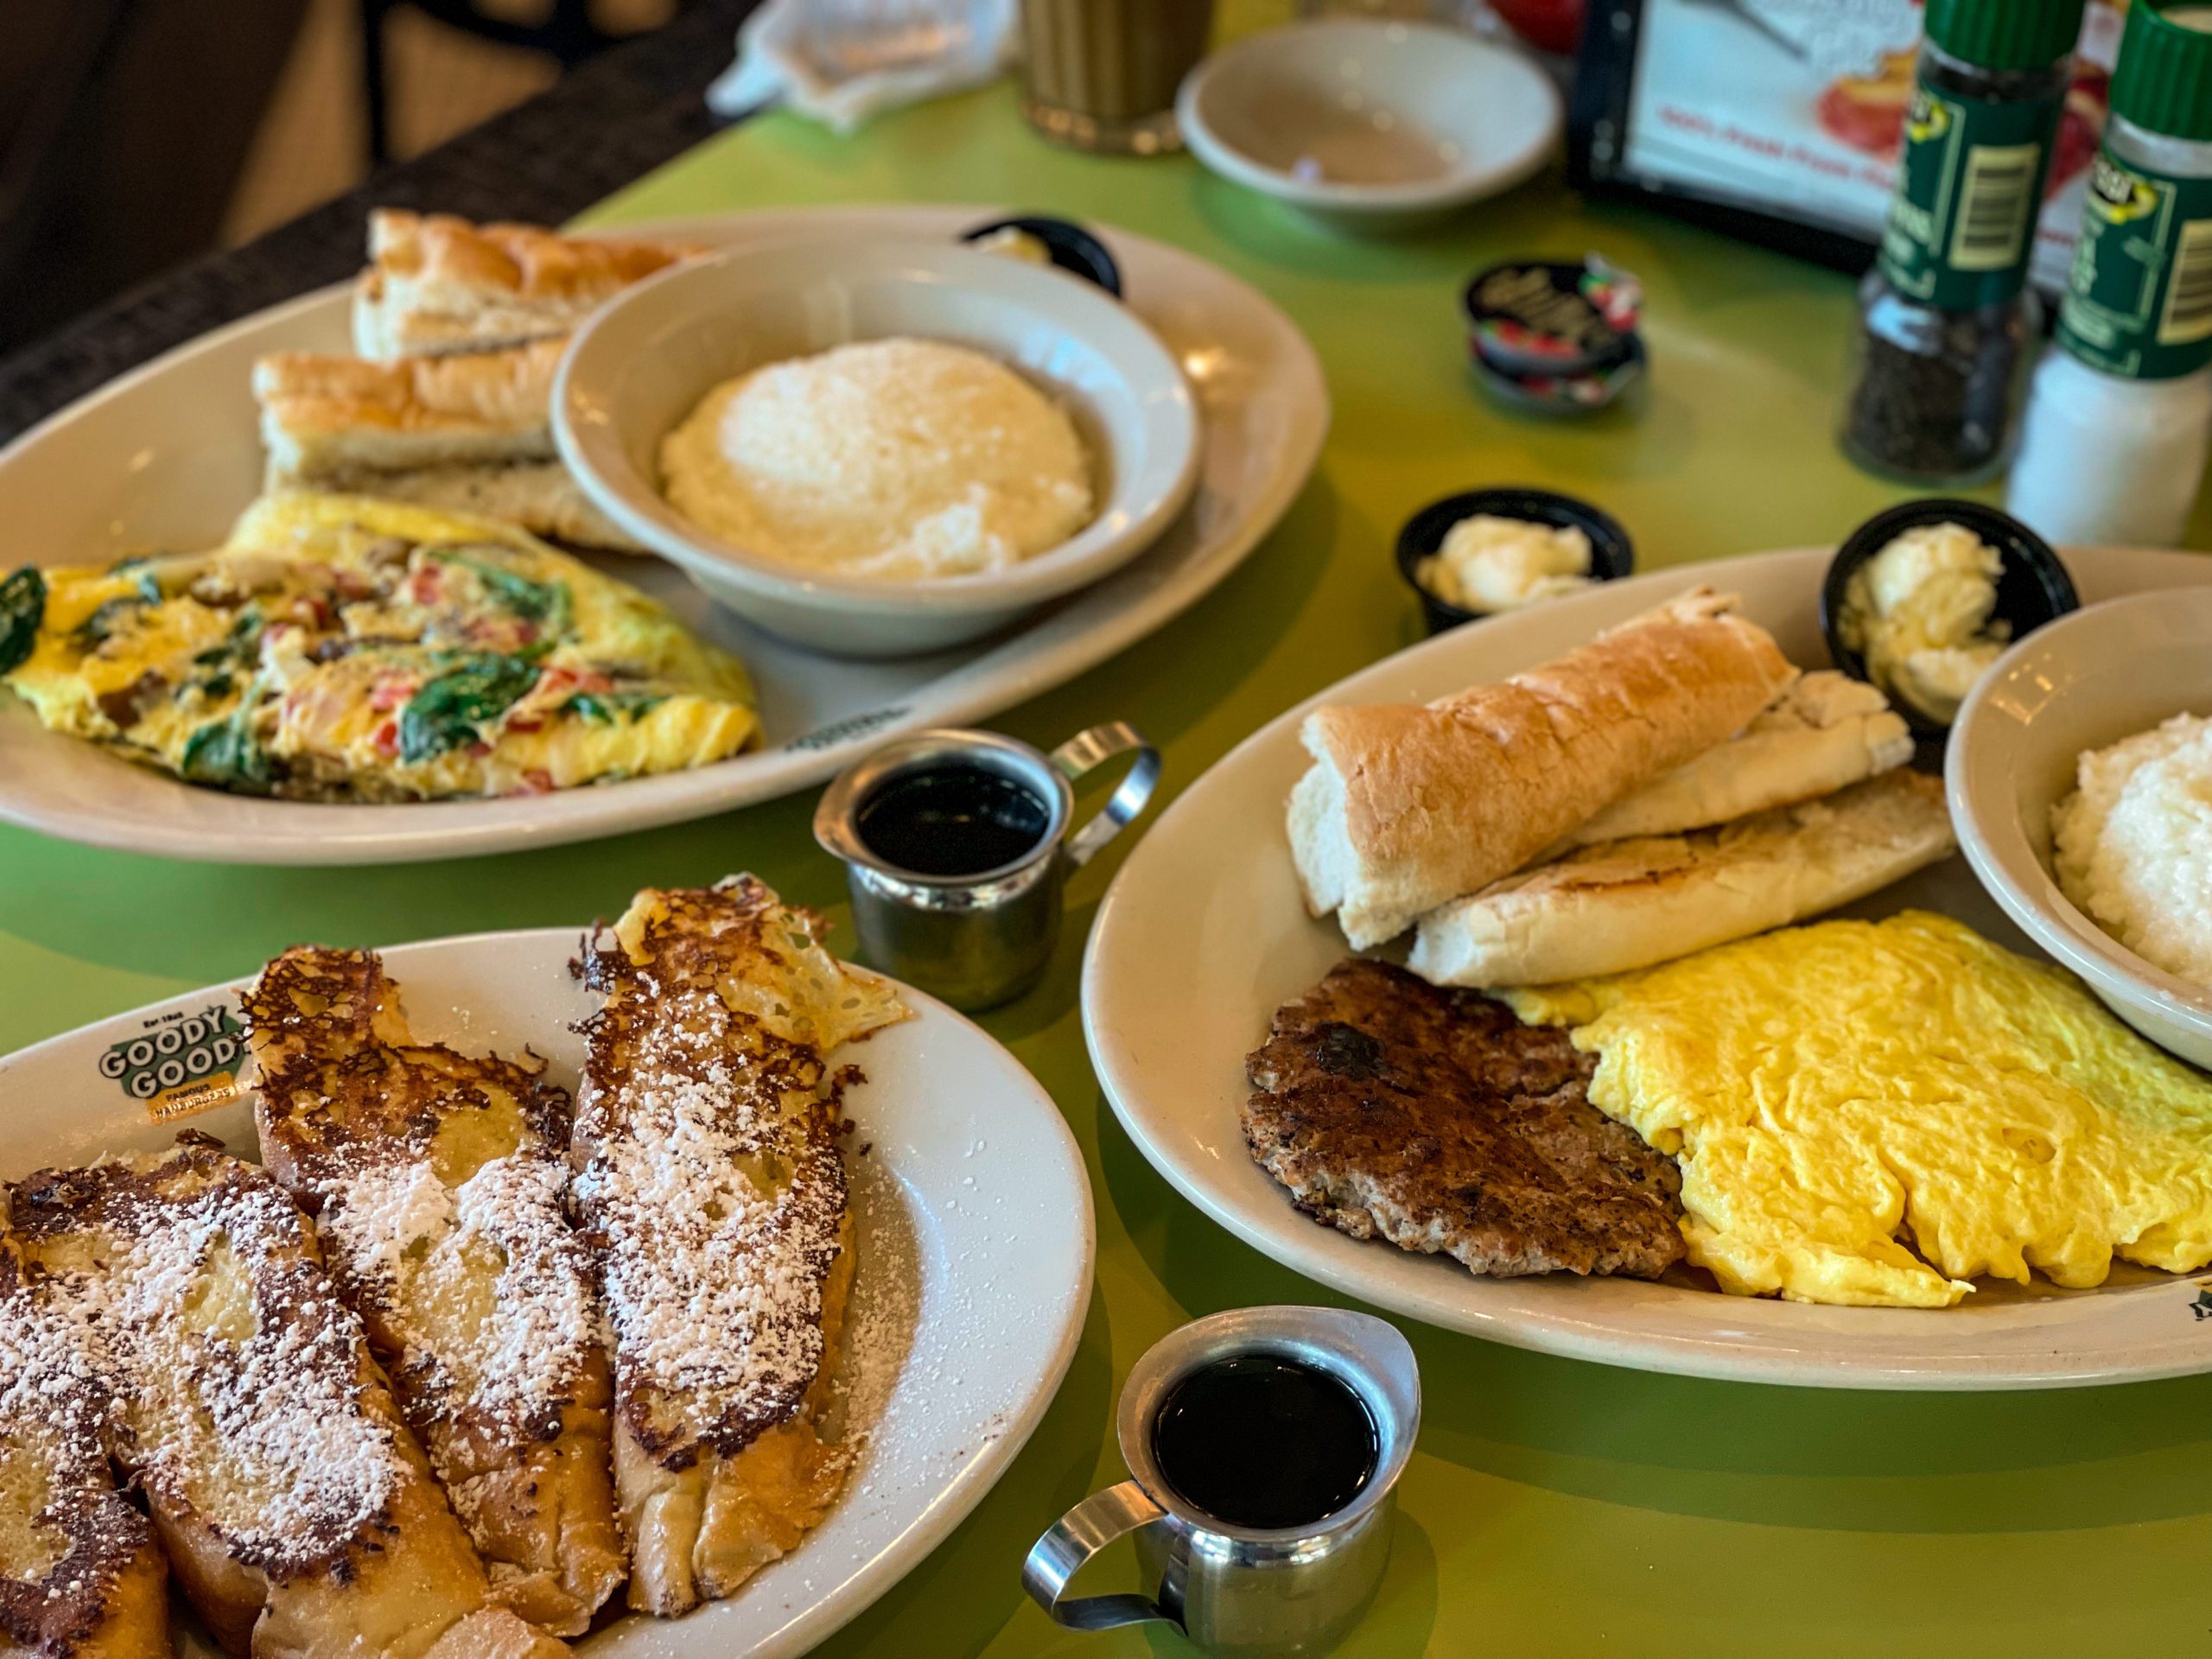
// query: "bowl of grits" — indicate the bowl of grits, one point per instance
point(879, 448)
point(2080, 779)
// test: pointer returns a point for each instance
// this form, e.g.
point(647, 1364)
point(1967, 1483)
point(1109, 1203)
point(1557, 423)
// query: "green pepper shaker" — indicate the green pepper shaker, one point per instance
point(1946, 317)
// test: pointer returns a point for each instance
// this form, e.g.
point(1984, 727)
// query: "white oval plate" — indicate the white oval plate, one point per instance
point(1169, 1029)
point(973, 1222)
point(168, 456)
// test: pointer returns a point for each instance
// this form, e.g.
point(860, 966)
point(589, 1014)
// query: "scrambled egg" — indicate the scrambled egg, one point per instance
point(1833, 1092)
point(339, 648)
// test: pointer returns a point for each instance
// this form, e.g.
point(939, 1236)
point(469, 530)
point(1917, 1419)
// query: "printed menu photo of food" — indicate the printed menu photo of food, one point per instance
point(1798, 107)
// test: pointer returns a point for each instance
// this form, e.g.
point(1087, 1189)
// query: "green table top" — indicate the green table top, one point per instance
point(1553, 1508)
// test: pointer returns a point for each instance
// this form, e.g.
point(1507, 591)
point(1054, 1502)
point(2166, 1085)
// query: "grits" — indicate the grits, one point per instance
point(2133, 844)
point(892, 460)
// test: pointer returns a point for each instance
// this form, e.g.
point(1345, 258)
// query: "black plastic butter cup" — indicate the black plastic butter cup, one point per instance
point(1612, 556)
point(2033, 588)
point(1073, 249)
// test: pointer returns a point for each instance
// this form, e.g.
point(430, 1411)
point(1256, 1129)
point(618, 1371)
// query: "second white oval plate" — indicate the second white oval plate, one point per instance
point(972, 1223)
point(168, 455)
point(1169, 1029)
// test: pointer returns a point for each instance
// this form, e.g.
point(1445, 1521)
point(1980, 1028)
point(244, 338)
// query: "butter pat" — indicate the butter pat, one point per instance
point(1014, 243)
point(1919, 612)
point(892, 460)
point(1488, 563)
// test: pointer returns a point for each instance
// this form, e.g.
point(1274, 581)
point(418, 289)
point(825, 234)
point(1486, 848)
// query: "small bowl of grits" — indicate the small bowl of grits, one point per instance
point(1481, 552)
point(879, 448)
point(1920, 600)
point(2079, 780)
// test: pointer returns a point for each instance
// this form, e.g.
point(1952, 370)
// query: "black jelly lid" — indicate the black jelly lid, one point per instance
point(1567, 316)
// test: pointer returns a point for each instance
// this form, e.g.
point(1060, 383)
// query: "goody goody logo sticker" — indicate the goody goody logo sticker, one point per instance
point(182, 1063)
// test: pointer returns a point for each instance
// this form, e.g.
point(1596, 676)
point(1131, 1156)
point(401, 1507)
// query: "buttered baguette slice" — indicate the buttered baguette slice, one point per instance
point(1827, 732)
point(437, 1181)
point(80, 1575)
point(709, 1175)
point(1629, 904)
point(298, 1513)
point(1408, 805)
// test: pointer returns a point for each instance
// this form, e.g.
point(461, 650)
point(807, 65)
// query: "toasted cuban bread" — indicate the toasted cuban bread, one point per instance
point(298, 1513)
point(469, 434)
point(1825, 732)
point(538, 496)
point(436, 283)
point(81, 1576)
point(1408, 805)
point(1629, 904)
point(437, 1180)
point(709, 1175)
point(321, 416)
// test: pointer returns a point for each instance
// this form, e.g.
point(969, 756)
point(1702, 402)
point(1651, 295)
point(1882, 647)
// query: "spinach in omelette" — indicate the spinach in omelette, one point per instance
point(343, 649)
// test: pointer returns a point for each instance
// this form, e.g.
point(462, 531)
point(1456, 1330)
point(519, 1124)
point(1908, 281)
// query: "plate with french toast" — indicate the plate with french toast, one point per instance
point(647, 1290)
point(318, 588)
point(1602, 978)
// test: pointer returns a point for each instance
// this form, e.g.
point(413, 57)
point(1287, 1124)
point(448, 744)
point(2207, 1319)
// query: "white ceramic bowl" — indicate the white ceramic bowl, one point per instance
point(642, 363)
point(2081, 682)
point(1368, 125)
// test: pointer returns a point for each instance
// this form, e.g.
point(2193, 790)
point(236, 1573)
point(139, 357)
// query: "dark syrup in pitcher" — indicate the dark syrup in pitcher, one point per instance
point(1263, 1440)
point(952, 821)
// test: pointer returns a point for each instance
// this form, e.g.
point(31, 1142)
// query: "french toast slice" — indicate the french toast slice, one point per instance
point(709, 1179)
point(81, 1576)
point(298, 1513)
point(437, 1182)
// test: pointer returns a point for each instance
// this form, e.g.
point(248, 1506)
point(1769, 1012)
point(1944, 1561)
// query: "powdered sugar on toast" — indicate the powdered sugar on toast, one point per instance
point(400, 1238)
point(242, 1386)
point(714, 1274)
point(438, 1186)
point(65, 1556)
point(708, 1169)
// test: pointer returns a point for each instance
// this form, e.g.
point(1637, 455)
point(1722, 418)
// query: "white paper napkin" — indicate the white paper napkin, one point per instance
point(841, 61)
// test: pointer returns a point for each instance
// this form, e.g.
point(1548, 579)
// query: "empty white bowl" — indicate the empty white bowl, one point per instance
point(642, 363)
point(1370, 125)
point(2083, 682)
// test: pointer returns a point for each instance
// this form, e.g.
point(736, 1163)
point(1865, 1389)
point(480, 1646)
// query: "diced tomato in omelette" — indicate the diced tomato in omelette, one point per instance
point(339, 648)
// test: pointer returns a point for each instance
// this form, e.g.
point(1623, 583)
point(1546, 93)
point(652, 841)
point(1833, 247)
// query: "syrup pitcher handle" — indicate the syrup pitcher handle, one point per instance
point(1084, 753)
point(1081, 1534)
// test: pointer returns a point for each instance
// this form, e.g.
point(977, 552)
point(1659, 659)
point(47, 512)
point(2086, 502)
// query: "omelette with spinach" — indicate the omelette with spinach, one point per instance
point(343, 649)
